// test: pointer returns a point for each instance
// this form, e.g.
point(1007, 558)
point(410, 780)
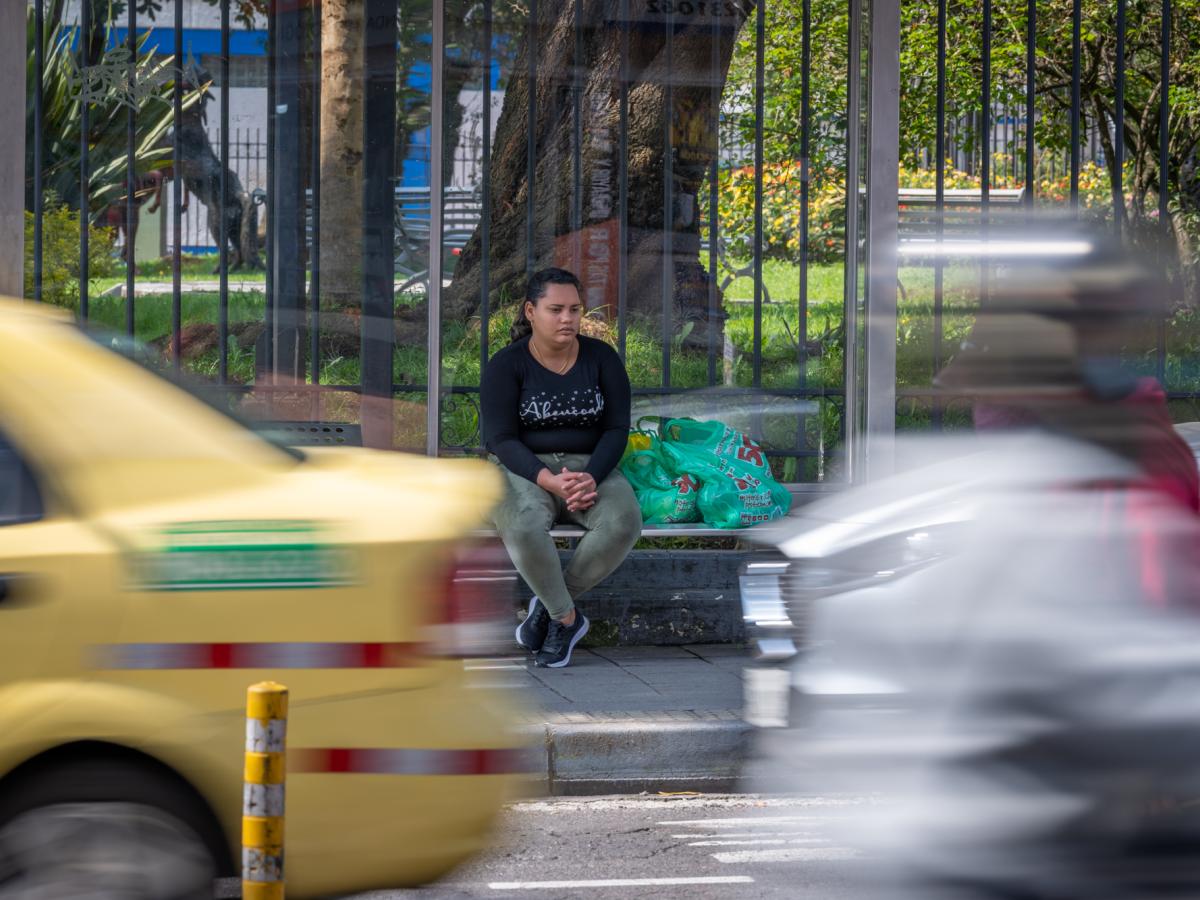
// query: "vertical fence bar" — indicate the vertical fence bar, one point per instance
point(287, 249)
point(377, 333)
point(131, 201)
point(223, 232)
point(85, 35)
point(437, 107)
point(485, 217)
point(266, 362)
point(985, 112)
point(851, 416)
point(760, 52)
point(883, 129)
point(623, 185)
point(177, 194)
point(939, 210)
point(985, 164)
point(805, 185)
point(1076, 73)
point(1164, 121)
point(314, 287)
point(1030, 111)
point(805, 196)
point(577, 141)
point(1119, 124)
point(668, 171)
point(531, 140)
point(1007, 142)
point(714, 215)
point(16, 44)
point(994, 140)
point(1164, 138)
point(39, 70)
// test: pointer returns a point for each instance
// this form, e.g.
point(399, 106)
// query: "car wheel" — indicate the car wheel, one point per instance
point(104, 830)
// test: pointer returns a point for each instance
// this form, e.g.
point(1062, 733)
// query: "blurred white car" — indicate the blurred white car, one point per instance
point(1003, 642)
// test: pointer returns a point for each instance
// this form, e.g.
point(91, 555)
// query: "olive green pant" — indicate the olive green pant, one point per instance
point(524, 518)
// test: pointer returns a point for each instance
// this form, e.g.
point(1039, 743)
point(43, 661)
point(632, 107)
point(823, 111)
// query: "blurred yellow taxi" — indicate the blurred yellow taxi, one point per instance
point(156, 558)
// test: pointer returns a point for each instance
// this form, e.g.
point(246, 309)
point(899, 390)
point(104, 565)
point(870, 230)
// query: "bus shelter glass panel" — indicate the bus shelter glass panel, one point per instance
point(687, 161)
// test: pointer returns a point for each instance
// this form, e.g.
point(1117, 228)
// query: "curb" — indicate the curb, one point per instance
point(620, 757)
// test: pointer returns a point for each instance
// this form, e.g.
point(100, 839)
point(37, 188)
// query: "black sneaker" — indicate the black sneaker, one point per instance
point(560, 641)
point(531, 633)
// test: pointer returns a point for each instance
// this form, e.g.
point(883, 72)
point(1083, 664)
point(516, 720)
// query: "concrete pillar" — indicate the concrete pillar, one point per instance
point(12, 145)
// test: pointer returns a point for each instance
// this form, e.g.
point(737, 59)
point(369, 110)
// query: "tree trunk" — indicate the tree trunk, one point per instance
point(681, 93)
point(341, 154)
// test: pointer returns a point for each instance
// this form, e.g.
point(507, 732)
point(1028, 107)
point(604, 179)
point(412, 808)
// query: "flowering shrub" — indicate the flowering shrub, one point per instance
point(827, 204)
point(781, 212)
point(1095, 188)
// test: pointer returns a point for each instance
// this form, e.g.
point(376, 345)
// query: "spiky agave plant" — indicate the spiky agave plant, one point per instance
point(110, 93)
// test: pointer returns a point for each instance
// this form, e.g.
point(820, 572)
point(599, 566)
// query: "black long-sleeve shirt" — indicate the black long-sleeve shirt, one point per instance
point(528, 409)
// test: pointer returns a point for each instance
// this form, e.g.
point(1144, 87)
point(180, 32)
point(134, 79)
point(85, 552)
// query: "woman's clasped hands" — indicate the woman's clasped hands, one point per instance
point(578, 489)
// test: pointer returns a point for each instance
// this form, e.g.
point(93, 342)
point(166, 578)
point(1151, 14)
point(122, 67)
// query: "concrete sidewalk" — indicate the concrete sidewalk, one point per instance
point(628, 719)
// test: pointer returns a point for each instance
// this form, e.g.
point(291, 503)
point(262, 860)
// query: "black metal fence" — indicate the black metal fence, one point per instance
point(1099, 121)
point(570, 173)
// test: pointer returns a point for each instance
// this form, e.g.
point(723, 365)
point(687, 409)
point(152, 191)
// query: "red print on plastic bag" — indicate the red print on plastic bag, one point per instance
point(749, 452)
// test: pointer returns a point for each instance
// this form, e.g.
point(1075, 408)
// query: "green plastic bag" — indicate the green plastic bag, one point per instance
point(721, 440)
point(664, 498)
point(737, 488)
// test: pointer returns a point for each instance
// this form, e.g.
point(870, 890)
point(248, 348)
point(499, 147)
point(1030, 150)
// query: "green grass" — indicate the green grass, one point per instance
point(152, 312)
point(781, 281)
point(689, 368)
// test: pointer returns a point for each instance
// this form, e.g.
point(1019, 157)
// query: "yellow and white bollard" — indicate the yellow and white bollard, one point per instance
point(262, 795)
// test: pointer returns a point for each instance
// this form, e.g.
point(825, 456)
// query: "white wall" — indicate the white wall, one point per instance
point(196, 14)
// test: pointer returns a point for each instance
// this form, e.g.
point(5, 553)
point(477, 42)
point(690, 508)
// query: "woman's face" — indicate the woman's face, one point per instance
point(556, 316)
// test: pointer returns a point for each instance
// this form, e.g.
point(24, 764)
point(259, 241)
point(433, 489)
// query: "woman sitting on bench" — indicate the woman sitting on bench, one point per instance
point(555, 408)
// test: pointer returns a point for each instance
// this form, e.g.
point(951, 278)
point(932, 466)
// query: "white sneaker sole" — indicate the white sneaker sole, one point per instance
point(571, 646)
point(528, 615)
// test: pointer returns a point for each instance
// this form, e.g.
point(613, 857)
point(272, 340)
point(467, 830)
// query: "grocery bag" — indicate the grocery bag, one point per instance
point(664, 497)
point(737, 488)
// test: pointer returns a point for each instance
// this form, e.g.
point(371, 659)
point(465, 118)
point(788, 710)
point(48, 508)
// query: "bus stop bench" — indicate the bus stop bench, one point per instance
point(462, 209)
point(801, 494)
point(917, 226)
point(681, 530)
point(917, 216)
point(343, 434)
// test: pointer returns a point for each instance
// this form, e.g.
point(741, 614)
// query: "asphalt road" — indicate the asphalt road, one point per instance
point(693, 847)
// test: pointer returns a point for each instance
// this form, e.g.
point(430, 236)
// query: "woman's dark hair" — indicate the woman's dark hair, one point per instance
point(535, 290)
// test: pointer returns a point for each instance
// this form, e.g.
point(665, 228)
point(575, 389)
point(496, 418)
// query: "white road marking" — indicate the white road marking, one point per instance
point(758, 842)
point(789, 854)
point(740, 834)
point(755, 822)
point(617, 882)
point(677, 804)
